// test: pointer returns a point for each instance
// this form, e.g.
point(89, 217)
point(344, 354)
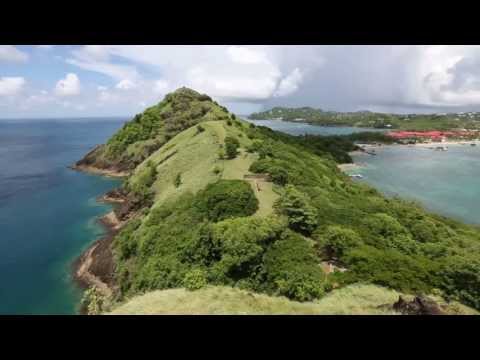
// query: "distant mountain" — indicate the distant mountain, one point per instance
point(368, 119)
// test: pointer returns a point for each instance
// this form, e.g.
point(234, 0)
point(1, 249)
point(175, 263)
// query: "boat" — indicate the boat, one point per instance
point(473, 144)
point(356, 176)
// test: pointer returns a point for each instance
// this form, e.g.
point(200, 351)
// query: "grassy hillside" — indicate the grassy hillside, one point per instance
point(200, 219)
point(359, 299)
point(148, 131)
point(355, 300)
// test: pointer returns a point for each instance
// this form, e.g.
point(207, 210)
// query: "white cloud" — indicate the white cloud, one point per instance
point(244, 55)
point(290, 83)
point(68, 86)
point(161, 86)
point(102, 88)
point(238, 73)
point(12, 54)
point(11, 85)
point(126, 84)
point(45, 47)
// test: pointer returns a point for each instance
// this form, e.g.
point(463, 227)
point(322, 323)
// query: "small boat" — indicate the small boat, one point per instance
point(473, 144)
point(356, 176)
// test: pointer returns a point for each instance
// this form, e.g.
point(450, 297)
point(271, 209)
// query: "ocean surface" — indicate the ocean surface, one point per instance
point(298, 128)
point(47, 211)
point(445, 182)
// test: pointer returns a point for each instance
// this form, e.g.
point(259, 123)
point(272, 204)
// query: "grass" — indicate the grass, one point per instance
point(195, 156)
point(213, 300)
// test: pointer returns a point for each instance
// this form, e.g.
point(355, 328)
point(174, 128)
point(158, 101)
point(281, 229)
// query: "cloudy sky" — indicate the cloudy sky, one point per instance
point(77, 81)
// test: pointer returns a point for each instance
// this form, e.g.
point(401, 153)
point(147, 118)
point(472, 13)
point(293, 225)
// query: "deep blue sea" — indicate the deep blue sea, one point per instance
point(47, 212)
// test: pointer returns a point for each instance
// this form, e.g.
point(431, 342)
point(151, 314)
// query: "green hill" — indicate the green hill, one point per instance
point(367, 119)
point(227, 203)
point(148, 131)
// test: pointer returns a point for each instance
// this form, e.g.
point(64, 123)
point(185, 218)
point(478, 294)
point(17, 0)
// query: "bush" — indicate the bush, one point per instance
point(296, 206)
point(390, 268)
point(217, 170)
point(337, 240)
point(291, 269)
point(384, 225)
point(240, 244)
point(195, 279)
point(178, 180)
point(231, 147)
point(200, 129)
point(278, 175)
point(460, 279)
point(227, 198)
point(229, 122)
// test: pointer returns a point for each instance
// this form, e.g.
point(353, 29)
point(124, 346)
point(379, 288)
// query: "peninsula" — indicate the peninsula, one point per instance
point(219, 216)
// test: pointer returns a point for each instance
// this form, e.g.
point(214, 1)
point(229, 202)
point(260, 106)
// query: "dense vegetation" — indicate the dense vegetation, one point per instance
point(148, 131)
point(369, 119)
point(214, 234)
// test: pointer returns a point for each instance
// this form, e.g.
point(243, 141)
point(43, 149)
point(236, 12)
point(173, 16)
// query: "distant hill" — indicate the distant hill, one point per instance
point(368, 119)
point(212, 200)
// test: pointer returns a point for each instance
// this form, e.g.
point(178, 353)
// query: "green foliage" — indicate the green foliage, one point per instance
point(336, 240)
point(239, 245)
point(291, 269)
point(93, 301)
point(390, 268)
point(231, 147)
point(178, 180)
point(300, 213)
point(460, 279)
point(227, 198)
point(200, 129)
point(369, 119)
point(195, 279)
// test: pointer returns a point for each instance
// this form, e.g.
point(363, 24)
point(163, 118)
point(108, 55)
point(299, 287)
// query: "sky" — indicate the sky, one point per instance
point(120, 80)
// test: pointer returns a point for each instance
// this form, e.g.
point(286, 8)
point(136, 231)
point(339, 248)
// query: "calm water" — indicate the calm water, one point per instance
point(47, 212)
point(296, 128)
point(446, 182)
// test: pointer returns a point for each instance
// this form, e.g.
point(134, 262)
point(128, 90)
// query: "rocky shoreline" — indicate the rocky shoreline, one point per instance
point(95, 266)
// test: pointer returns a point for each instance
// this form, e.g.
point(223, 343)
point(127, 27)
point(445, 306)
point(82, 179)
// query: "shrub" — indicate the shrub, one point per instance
point(231, 147)
point(200, 129)
point(217, 170)
point(240, 244)
point(278, 175)
point(291, 269)
point(227, 198)
point(384, 225)
point(296, 206)
point(195, 279)
point(178, 180)
point(229, 122)
point(460, 279)
point(390, 268)
point(337, 240)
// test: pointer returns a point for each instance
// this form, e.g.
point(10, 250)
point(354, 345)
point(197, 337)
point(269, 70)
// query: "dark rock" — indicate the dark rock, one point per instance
point(420, 305)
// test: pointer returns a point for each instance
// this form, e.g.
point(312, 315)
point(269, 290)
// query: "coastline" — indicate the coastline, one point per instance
point(430, 145)
point(95, 266)
point(98, 171)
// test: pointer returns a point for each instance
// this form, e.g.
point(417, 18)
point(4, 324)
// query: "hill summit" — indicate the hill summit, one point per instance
point(148, 131)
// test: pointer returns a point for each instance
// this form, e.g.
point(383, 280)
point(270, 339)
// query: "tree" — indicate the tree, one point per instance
point(300, 213)
point(178, 180)
point(337, 240)
point(231, 147)
point(195, 279)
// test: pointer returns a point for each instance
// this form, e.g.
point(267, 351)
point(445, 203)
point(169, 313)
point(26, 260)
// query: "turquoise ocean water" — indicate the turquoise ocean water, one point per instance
point(446, 182)
point(47, 211)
